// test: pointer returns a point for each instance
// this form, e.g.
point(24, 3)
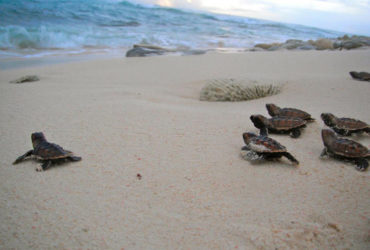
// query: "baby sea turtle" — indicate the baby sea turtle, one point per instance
point(345, 149)
point(279, 125)
point(362, 76)
point(263, 147)
point(46, 152)
point(345, 126)
point(274, 110)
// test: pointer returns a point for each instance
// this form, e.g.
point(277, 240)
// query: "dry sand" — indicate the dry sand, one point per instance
point(142, 115)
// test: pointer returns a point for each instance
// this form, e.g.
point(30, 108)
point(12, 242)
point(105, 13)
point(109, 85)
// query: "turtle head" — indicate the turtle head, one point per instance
point(37, 138)
point(329, 119)
point(259, 121)
point(248, 137)
point(272, 109)
point(328, 136)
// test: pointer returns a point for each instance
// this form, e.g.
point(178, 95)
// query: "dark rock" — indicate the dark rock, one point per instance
point(345, 42)
point(141, 52)
point(364, 40)
point(193, 52)
point(352, 42)
point(274, 47)
point(266, 46)
point(306, 46)
point(254, 49)
point(337, 45)
point(149, 46)
point(292, 44)
point(29, 78)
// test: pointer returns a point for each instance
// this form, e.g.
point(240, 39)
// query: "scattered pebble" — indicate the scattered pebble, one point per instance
point(334, 226)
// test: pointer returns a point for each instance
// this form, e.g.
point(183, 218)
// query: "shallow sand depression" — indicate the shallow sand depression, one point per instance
point(143, 116)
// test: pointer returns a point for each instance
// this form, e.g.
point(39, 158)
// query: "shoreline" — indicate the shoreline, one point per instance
point(143, 116)
point(15, 63)
point(145, 50)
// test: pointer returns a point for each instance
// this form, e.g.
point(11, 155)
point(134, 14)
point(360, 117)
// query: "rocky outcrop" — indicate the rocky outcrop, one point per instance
point(267, 46)
point(344, 42)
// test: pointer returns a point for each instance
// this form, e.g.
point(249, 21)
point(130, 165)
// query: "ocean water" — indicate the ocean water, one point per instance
point(32, 28)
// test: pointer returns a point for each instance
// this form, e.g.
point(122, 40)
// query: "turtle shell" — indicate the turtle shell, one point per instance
point(264, 144)
point(50, 151)
point(348, 148)
point(292, 112)
point(274, 110)
point(286, 123)
point(350, 124)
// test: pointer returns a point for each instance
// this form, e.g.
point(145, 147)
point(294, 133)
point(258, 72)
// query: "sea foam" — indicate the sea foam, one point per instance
point(31, 27)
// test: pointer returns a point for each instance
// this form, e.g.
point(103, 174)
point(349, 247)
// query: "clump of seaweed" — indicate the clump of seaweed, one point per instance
point(231, 90)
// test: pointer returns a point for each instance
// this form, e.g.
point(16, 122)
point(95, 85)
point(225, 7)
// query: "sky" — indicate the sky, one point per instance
point(351, 16)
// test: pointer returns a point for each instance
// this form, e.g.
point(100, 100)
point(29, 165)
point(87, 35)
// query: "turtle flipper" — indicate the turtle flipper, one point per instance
point(290, 157)
point(22, 157)
point(251, 155)
point(310, 119)
point(264, 131)
point(343, 132)
point(44, 166)
point(295, 133)
point(272, 157)
point(324, 153)
point(75, 158)
point(361, 164)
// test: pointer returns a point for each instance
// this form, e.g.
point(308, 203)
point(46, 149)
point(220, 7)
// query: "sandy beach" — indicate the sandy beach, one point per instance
point(129, 116)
